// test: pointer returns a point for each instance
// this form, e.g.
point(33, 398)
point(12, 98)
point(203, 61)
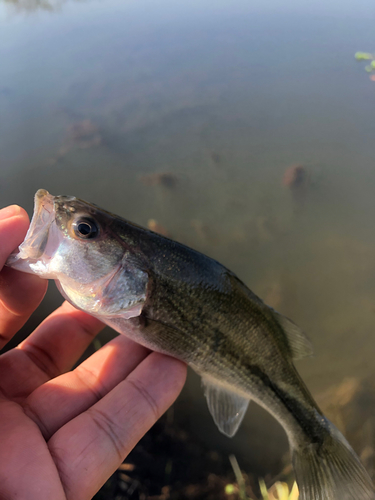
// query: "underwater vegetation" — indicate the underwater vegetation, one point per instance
point(278, 491)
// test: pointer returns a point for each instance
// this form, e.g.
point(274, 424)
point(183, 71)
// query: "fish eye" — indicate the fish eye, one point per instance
point(85, 228)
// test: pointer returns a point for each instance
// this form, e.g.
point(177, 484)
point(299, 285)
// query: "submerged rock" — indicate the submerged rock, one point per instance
point(154, 226)
point(166, 179)
point(296, 179)
point(295, 176)
point(84, 134)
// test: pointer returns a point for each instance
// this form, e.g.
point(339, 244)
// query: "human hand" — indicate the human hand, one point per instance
point(63, 433)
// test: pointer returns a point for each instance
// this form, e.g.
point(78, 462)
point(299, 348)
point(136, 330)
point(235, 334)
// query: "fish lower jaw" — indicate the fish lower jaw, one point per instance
point(88, 303)
point(40, 268)
point(23, 263)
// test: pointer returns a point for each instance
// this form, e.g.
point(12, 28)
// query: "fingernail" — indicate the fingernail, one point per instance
point(8, 212)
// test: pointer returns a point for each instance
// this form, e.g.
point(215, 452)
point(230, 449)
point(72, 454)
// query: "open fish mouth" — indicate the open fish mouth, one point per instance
point(35, 243)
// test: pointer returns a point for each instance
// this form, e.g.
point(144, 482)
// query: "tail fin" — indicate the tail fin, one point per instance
point(331, 471)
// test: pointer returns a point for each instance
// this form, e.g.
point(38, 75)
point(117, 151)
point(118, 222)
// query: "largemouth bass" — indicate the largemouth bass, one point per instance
point(177, 301)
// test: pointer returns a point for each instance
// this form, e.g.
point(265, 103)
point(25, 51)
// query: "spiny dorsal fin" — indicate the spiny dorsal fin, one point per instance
point(298, 342)
point(226, 407)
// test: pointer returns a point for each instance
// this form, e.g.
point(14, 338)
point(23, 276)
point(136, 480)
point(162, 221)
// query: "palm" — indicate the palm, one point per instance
point(62, 432)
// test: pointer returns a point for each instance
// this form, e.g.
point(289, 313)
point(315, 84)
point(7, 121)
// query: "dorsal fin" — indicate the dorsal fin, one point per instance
point(226, 407)
point(299, 343)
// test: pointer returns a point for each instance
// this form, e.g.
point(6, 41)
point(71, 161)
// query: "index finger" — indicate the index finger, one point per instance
point(20, 293)
point(14, 223)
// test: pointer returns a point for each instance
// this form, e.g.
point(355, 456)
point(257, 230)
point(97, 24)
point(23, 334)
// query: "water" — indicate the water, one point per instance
point(224, 96)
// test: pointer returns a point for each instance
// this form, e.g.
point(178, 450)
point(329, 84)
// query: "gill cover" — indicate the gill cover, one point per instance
point(122, 293)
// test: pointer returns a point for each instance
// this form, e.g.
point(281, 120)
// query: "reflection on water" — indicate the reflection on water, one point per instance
point(35, 5)
point(242, 130)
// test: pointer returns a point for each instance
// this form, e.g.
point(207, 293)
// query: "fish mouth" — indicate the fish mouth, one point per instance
point(34, 245)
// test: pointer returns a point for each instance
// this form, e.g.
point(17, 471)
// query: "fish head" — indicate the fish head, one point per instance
point(76, 244)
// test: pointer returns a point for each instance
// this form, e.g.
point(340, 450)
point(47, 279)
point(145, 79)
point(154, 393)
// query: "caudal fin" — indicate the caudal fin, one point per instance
point(331, 471)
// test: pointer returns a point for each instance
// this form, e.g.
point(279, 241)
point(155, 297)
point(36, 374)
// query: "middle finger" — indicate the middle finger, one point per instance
point(60, 400)
point(53, 348)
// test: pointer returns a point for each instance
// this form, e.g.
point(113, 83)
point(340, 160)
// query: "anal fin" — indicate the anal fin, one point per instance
point(226, 407)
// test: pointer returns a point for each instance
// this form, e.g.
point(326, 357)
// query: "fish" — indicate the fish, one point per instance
point(177, 301)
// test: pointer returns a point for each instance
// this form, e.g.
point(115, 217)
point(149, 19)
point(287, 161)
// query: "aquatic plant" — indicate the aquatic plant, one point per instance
point(278, 491)
point(363, 56)
point(366, 56)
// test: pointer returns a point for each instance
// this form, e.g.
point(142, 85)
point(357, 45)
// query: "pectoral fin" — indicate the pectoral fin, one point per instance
point(226, 407)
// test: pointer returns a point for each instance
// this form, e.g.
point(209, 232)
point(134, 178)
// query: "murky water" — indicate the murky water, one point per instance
point(97, 97)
